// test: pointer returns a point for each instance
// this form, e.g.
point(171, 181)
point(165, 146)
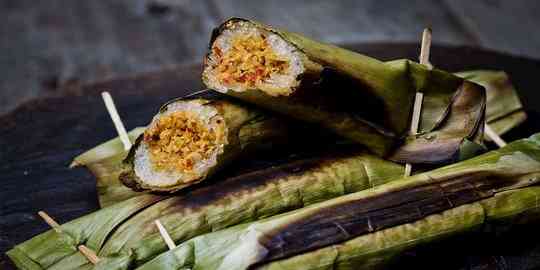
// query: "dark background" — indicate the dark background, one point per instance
point(48, 44)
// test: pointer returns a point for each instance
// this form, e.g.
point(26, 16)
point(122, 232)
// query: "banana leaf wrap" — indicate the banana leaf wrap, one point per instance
point(104, 161)
point(222, 204)
point(504, 110)
point(358, 97)
point(359, 227)
point(231, 129)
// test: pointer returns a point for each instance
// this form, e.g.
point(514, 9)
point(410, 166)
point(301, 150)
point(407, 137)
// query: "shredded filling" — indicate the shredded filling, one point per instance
point(249, 61)
point(179, 140)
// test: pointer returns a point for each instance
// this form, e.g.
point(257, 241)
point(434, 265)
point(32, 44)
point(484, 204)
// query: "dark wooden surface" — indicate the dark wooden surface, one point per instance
point(41, 136)
point(47, 45)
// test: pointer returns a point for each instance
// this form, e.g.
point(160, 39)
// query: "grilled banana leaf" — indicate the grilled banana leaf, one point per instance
point(222, 204)
point(366, 227)
point(358, 97)
point(504, 110)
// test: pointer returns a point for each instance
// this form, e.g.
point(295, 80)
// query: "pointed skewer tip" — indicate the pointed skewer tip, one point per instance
point(165, 235)
point(113, 113)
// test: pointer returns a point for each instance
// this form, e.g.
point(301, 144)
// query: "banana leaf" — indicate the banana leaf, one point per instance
point(58, 250)
point(105, 163)
point(244, 198)
point(358, 97)
point(367, 227)
point(504, 110)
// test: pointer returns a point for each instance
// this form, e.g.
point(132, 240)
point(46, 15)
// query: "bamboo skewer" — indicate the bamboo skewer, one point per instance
point(111, 108)
point(494, 136)
point(419, 97)
point(89, 254)
point(86, 252)
point(165, 235)
point(51, 222)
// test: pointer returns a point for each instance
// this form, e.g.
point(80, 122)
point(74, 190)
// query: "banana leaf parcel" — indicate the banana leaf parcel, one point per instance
point(248, 197)
point(192, 137)
point(352, 230)
point(358, 97)
point(504, 111)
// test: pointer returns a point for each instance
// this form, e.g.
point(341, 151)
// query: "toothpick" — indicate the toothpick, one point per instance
point(494, 136)
point(111, 108)
point(50, 221)
point(165, 235)
point(86, 252)
point(417, 109)
point(89, 254)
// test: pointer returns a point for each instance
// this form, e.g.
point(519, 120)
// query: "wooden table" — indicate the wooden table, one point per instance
point(47, 46)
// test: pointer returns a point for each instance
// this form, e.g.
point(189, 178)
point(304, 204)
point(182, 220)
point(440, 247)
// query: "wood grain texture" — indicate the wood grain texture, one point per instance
point(351, 20)
point(47, 45)
point(510, 26)
point(40, 138)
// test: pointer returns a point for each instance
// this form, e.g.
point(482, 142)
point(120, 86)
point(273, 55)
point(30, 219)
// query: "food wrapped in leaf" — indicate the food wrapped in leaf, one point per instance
point(363, 228)
point(222, 204)
point(190, 138)
point(104, 160)
point(358, 97)
point(504, 110)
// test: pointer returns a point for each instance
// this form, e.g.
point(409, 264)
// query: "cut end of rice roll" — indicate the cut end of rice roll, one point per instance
point(180, 146)
point(247, 56)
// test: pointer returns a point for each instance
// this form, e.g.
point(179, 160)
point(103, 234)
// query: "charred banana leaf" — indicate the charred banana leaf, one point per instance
point(358, 97)
point(190, 138)
point(223, 204)
point(359, 227)
point(504, 109)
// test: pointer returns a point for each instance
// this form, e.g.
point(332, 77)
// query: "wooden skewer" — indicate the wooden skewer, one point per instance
point(89, 254)
point(494, 136)
point(50, 221)
point(165, 235)
point(419, 97)
point(86, 252)
point(111, 108)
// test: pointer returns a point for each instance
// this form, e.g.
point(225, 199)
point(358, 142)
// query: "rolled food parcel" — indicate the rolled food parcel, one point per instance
point(503, 112)
point(366, 228)
point(243, 198)
point(134, 240)
point(190, 138)
point(358, 97)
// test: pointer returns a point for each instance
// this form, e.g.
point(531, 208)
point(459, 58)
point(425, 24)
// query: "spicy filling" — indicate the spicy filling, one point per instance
point(249, 61)
point(180, 140)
